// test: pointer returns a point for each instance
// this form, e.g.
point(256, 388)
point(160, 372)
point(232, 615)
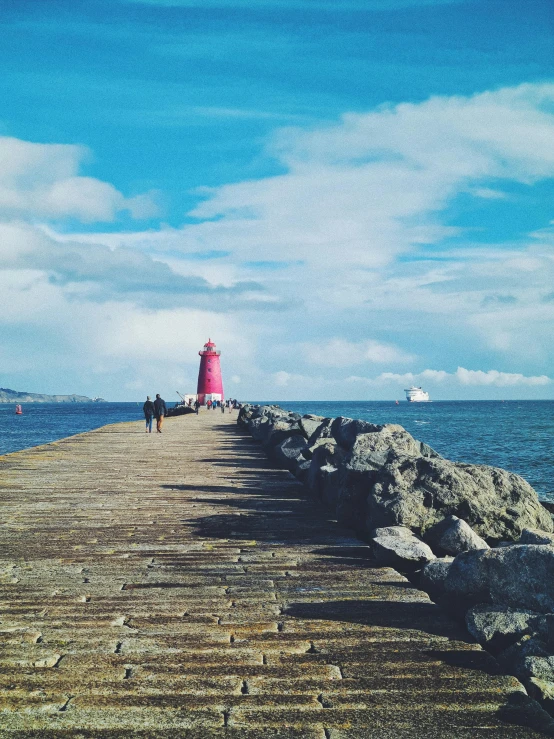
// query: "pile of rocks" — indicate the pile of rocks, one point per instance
point(477, 536)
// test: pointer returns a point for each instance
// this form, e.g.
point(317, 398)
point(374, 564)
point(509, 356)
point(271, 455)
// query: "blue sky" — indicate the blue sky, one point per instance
point(348, 197)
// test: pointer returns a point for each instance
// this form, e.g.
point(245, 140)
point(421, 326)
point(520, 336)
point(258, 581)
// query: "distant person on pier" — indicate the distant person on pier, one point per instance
point(160, 410)
point(209, 405)
point(148, 409)
point(222, 407)
point(196, 406)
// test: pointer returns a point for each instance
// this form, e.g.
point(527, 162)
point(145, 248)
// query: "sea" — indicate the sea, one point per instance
point(517, 435)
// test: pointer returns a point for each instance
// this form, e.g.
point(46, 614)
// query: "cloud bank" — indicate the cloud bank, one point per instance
point(348, 258)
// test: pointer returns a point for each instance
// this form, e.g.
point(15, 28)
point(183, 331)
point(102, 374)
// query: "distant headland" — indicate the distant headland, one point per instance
point(15, 396)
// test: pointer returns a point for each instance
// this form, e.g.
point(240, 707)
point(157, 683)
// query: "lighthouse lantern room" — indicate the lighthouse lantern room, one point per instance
point(210, 384)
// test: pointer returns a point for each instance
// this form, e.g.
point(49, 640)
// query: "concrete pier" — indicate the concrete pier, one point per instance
point(174, 585)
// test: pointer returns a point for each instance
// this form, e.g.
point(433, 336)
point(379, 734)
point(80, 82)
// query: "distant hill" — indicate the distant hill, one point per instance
point(14, 396)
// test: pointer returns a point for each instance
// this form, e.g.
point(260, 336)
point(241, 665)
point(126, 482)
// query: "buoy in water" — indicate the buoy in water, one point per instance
point(18, 410)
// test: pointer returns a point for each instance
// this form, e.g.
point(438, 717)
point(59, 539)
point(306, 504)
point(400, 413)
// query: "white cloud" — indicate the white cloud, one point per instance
point(498, 379)
point(42, 181)
point(358, 193)
point(282, 378)
point(296, 382)
point(462, 377)
point(338, 352)
point(489, 194)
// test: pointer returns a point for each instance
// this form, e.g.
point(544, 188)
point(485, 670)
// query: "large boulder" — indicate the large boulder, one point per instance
point(328, 485)
point(288, 453)
point(528, 658)
point(498, 627)
point(345, 430)
point(246, 413)
point(323, 431)
point(520, 576)
point(274, 433)
point(418, 492)
point(536, 536)
point(368, 453)
point(327, 455)
point(433, 576)
point(454, 536)
point(302, 470)
point(396, 546)
point(310, 424)
point(259, 428)
point(467, 580)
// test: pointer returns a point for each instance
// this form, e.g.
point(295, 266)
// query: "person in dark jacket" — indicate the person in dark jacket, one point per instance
point(148, 410)
point(160, 410)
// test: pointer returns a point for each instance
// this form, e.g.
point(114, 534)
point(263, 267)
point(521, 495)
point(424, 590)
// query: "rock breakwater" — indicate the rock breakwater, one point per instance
point(477, 537)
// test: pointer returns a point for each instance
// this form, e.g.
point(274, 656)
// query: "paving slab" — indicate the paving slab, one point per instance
point(174, 585)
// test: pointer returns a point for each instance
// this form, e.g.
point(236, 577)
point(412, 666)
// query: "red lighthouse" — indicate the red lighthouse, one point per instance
point(210, 384)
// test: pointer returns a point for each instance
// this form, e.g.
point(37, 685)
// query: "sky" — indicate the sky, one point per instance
point(348, 196)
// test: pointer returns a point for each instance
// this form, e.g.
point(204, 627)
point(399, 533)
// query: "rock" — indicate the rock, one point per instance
point(418, 492)
point(396, 546)
point(310, 424)
point(540, 667)
point(390, 436)
point(543, 691)
point(523, 577)
point(323, 431)
point(328, 485)
point(370, 451)
point(545, 629)
point(467, 580)
point(498, 627)
point(245, 414)
point(288, 452)
point(433, 575)
point(325, 454)
point(301, 471)
point(536, 536)
point(521, 659)
point(345, 430)
point(355, 480)
point(319, 442)
point(259, 428)
point(279, 431)
point(520, 576)
point(453, 536)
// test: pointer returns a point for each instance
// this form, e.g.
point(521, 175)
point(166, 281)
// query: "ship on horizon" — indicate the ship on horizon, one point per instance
point(417, 395)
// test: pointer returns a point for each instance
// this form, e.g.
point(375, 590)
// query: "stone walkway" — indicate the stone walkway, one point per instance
point(175, 585)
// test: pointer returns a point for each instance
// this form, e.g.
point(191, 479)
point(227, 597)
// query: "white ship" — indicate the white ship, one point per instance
point(417, 395)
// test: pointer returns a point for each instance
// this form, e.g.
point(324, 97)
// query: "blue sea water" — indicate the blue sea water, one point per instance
point(515, 435)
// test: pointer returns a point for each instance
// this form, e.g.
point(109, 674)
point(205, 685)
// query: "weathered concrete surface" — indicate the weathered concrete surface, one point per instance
point(174, 586)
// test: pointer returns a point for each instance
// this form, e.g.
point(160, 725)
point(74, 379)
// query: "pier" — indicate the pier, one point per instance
point(174, 585)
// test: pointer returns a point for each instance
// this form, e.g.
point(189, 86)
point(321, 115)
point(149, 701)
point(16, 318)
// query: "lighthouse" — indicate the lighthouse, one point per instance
point(210, 384)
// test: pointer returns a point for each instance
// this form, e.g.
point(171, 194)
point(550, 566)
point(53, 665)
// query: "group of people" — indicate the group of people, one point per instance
point(154, 409)
point(157, 409)
point(222, 404)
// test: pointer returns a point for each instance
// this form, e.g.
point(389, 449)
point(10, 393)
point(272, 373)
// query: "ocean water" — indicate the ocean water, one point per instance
point(515, 435)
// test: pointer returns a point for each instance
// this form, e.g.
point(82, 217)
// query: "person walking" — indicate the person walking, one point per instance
point(197, 406)
point(160, 410)
point(148, 410)
point(222, 407)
